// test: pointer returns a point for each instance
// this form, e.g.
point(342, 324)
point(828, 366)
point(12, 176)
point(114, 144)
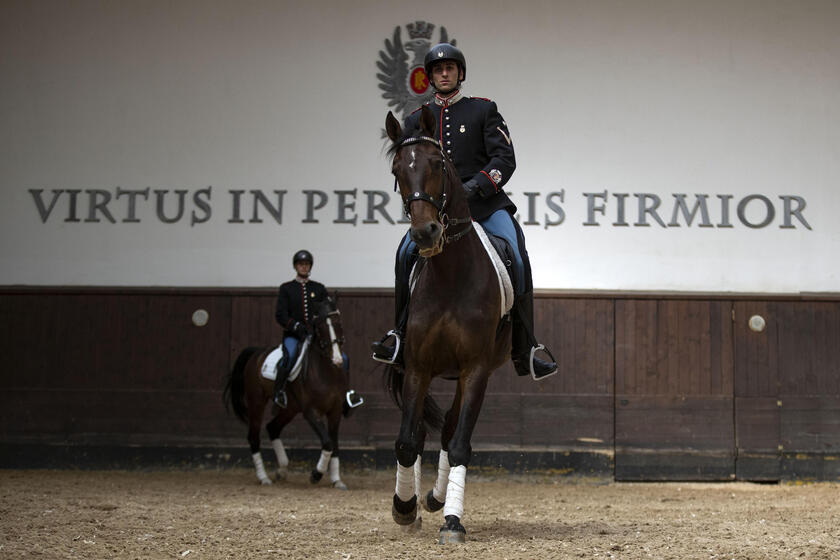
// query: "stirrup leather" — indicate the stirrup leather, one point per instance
point(349, 399)
point(392, 360)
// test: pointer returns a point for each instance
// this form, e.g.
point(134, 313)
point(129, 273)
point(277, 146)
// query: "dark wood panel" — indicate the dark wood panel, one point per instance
point(114, 342)
point(674, 383)
point(809, 343)
point(756, 363)
point(567, 421)
point(674, 422)
point(673, 347)
point(128, 364)
point(757, 424)
point(810, 424)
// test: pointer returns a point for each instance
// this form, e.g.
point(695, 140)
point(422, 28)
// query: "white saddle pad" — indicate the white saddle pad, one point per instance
point(505, 284)
point(269, 367)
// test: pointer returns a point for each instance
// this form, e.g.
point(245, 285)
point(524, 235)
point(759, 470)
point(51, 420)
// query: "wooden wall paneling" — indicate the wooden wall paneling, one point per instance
point(757, 404)
point(573, 409)
point(674, 410)
point(809, 341)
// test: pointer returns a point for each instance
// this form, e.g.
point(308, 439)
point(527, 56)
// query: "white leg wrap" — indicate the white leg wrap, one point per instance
point(405, 482)
point(439, 491)
point(455, 492)
point(280, 453)
point(258, 464)
point(334, 470)
point(323, 462)
point(417, 473)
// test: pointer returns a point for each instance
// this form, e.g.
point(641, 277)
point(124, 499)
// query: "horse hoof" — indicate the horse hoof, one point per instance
point(338, 485)
point(429, 502)
point(404, 513)
point(265, 481)
point(281, 474)
point(452, 537)
point(315, 477)
point(452, 532)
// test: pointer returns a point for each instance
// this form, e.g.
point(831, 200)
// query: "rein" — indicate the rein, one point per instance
point(440, 205)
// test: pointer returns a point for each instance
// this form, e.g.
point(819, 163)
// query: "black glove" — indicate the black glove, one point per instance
point(299, 330)
point(472, 189)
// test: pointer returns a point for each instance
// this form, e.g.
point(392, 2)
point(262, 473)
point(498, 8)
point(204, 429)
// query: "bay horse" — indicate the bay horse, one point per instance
point(321, 390)
point(455, 328)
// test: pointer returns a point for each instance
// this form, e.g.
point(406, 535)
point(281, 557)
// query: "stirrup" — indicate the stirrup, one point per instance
point(349, 397)
point(534, 350)
point(393, 359)
point(281, 399)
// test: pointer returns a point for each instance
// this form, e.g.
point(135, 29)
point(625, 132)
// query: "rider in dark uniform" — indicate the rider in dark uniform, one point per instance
point(476, 139)
point(297, 301)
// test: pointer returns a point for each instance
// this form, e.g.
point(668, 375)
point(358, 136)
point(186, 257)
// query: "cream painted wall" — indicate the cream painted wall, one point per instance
point(656, 98)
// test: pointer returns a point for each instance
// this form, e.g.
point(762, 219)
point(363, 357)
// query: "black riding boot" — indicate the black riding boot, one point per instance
point(524, 342)
point(389, 350)
point(283, 370)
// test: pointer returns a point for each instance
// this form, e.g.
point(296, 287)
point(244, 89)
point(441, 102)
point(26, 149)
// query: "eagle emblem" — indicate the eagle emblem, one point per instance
point(403, 82)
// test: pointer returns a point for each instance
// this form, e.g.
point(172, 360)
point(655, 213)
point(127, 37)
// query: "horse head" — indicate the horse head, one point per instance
point(428, 185)
point(329, 334)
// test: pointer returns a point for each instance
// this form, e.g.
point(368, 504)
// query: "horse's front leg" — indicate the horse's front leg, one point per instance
point(333, 422)
point(460, 450)
point(326, 446)
point(408, 447)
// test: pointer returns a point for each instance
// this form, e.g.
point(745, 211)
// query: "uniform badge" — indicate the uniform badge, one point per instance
point(496, 175)
point(462, 129)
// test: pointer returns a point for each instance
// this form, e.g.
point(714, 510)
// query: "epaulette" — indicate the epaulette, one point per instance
point(482, 98)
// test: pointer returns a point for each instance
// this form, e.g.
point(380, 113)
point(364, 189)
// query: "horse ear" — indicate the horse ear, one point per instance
point(392, 127)
point(427, 121)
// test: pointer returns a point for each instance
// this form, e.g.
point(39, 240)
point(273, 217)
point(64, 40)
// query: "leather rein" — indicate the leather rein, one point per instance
point(441, 203)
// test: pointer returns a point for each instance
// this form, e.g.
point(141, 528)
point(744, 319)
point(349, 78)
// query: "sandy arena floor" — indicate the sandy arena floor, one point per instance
point(227, 514)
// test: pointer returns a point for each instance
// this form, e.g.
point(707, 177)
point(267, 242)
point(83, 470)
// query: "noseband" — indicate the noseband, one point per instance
point(440, 205)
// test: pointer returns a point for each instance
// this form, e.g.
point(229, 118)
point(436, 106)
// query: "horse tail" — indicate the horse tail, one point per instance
point(432, 413)
point(234, 394)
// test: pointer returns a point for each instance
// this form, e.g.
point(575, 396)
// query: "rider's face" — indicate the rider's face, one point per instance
point(445, 75)
point(303, 268)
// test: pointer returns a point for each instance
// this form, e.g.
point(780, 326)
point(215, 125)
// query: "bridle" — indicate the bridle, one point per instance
point(325, 342)
point(441, 203)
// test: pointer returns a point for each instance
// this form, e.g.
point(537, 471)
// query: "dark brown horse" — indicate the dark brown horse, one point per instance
point(321, 390)
point(455, 328)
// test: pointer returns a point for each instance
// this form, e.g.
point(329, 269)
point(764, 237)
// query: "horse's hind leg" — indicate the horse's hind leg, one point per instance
point(326, 446)
point(436, 498)
point(274, 428)
point(254, 423)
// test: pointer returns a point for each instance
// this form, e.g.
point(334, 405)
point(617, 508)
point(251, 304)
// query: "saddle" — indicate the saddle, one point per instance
point(269, 367)
point(502, 257)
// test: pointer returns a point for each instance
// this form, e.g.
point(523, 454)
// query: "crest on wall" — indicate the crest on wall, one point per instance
point(402, 78)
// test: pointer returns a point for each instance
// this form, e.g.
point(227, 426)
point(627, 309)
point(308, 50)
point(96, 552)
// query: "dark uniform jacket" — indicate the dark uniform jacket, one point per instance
point(297, 301)
point(476, 138)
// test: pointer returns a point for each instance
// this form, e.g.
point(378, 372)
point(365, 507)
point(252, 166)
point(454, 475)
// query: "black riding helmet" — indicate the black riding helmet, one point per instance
point(445, 51)
point(302, 256)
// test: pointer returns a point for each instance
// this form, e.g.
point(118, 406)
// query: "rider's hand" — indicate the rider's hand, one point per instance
point(299, 330)
point(472, 189)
